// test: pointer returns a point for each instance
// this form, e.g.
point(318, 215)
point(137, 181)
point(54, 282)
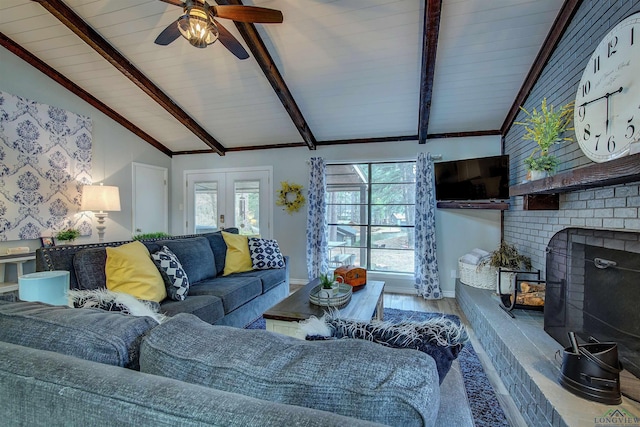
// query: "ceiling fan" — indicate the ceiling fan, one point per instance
point(199, 26)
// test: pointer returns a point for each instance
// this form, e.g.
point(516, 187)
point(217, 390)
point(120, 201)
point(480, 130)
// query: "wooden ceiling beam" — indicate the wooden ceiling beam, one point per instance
point(265, 61)
point(398, 138)
point(432, 13)
point(562, 21)
point(464, 134)
point(72, 21)
point(40, 65)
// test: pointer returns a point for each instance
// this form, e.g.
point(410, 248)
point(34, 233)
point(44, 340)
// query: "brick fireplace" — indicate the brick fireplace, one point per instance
point(530, 372)
point(524, 355)
point(593, 279)
point(528, 361)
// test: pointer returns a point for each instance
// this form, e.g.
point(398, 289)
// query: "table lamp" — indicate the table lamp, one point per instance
point(49, 287)
point(100, 198)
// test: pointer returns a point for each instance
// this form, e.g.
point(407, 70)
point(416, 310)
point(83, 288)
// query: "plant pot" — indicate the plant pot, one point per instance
point(328, 293)
point(533, 175)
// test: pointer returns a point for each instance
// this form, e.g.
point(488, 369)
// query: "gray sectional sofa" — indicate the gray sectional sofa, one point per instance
point(65, 366)
point(233, 300)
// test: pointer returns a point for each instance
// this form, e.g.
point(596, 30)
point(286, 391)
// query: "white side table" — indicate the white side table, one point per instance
point(18, 260)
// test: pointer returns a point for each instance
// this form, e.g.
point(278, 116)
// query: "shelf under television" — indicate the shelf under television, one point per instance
point(474, 204)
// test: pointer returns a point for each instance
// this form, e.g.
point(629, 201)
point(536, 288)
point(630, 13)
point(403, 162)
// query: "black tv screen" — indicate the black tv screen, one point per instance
point(484, 178)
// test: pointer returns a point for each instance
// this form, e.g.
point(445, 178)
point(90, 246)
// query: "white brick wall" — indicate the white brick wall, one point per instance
point(611, 208)
point(614, 207)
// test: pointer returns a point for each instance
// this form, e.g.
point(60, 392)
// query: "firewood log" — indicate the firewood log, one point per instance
point(532, 287)
point(535, 299)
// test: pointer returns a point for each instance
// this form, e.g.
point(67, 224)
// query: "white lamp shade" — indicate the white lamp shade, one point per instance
point(45, 286)
point(100, 198)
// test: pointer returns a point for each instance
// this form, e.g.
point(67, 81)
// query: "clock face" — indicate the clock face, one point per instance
point(607, 107)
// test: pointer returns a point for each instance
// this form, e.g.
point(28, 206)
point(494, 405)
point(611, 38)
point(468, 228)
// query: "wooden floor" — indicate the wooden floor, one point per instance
point(450, 306)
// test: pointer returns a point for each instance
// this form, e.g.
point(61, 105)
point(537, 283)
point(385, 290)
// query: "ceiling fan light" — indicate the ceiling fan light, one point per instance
point(197, 28)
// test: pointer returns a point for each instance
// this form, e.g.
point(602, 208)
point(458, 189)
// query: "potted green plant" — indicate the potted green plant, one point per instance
point(506, 256)
point(155, 235)
point(546, 127)
point(328, 285)
point(68, 235)
point(546, 164)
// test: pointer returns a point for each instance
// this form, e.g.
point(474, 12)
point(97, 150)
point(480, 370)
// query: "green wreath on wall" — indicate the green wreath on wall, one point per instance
point(290, 197)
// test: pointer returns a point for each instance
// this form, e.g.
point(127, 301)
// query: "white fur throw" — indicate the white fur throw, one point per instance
point(440, 337)
point(113, 301)
point(437, 330)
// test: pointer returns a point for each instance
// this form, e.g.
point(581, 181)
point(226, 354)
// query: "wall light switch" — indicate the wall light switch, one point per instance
point(454, 274)
point(180, 207)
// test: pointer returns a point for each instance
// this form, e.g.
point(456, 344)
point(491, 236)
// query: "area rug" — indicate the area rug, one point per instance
point(484, 405)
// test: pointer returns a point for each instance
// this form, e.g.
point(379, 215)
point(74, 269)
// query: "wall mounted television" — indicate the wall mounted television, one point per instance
point(483, 178)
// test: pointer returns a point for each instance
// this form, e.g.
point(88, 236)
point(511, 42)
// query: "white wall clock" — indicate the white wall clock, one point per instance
point(607, 106)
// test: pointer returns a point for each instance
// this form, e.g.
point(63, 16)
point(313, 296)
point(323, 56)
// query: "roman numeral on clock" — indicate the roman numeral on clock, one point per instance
point(611, 46)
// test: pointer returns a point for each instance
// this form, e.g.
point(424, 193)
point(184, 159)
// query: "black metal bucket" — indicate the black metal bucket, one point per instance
point(593, 372)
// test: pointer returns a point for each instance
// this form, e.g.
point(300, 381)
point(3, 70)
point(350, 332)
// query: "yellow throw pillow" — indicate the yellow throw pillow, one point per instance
point(130, 270)
point(238, 256)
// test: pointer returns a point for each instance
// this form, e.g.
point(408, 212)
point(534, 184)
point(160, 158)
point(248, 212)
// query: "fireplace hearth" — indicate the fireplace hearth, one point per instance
point(525, 357)
point(593, 289)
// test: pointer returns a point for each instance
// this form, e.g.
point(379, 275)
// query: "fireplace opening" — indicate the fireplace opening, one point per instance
point(593, 289)
point(611, 302)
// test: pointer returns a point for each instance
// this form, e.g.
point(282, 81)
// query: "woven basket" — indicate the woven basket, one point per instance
point(479, 277)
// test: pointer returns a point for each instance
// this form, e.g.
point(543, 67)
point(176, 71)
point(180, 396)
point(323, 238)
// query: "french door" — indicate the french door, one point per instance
point(220, 199)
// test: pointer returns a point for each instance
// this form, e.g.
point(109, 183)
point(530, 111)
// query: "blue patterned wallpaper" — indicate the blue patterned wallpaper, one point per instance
point(45, 159)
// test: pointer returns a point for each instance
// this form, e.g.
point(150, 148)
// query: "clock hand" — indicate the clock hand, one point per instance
point(606, 95)
point(606, 123)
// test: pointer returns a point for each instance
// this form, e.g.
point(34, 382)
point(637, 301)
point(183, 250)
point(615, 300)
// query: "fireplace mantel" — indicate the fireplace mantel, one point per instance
point(618, 171)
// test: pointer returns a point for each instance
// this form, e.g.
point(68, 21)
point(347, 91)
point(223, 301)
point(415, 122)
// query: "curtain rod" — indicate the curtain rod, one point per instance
point(433, 157)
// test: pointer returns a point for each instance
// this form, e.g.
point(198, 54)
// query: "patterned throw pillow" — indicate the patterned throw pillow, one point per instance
point(265, 254)
point(178, 282)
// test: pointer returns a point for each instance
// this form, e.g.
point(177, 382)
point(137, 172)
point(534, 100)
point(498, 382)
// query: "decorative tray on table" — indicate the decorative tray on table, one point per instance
point(339, 299)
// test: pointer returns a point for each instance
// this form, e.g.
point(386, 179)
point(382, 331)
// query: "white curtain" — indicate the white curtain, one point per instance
point(317, 229)
point(426, 264)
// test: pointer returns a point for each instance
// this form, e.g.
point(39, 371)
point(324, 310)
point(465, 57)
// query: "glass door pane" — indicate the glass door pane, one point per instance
point(248, 198)
point(247, 207)
point(205, 203)
point(206, 207)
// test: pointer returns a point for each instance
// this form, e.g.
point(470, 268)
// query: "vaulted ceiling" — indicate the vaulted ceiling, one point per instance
point(335, 71)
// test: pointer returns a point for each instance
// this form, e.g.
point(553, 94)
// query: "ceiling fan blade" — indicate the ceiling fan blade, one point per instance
point(174, 2)
point(230, 42)
point(169, 34)
point(260, 15)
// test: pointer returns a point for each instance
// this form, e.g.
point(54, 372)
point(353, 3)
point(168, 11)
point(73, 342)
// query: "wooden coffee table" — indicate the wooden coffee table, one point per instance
point(284, 316)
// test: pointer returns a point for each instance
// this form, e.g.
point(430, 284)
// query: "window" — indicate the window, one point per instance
point(370, 213)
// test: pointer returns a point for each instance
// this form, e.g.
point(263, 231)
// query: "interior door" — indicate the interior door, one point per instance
point(150, 199)
point(232, 198)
